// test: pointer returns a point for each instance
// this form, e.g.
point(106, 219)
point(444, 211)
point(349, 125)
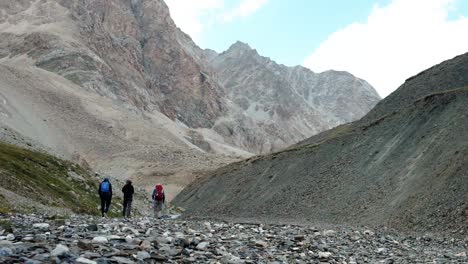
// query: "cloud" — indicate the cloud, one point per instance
point(193, 16)
point(244, 9)
point(398, 41)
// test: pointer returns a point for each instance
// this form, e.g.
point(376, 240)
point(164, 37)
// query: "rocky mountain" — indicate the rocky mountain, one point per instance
point(116, 85)
point(403, 165)
point(290, 103)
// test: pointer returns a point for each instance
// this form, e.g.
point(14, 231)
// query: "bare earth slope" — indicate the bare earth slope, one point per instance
point(405, 168)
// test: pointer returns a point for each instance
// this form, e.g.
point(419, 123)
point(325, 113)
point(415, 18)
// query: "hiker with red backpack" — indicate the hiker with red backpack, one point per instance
point(158, 200)
point(105, 193)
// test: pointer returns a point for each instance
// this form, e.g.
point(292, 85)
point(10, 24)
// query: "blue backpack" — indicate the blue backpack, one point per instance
point(105, 186)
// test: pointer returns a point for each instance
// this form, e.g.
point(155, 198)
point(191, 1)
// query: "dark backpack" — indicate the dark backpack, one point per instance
point(105, 187)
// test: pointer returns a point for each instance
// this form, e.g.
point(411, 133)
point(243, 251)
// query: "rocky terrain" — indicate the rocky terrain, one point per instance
point(87, 240)
point(117, 86)
point(403, 165)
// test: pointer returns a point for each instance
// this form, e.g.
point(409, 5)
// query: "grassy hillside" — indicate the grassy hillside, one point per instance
point(45, 179)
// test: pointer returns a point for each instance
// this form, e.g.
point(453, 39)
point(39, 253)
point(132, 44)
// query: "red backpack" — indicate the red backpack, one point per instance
point(159, 196)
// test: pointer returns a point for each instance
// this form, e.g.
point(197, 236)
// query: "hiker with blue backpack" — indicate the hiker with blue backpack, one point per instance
point(105, 193)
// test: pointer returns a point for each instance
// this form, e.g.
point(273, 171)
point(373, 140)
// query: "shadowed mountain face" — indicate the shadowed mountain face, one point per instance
point(402, 165)
point(117, 85)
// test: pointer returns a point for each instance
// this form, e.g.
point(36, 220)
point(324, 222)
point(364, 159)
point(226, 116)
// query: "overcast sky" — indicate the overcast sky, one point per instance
point(381, 41)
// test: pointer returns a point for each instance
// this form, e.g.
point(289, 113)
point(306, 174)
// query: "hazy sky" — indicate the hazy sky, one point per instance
point(381, 41)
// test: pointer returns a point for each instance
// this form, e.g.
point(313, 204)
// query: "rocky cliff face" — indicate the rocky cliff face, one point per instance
point(402, 165)
point(289, 103)
point(117, 84)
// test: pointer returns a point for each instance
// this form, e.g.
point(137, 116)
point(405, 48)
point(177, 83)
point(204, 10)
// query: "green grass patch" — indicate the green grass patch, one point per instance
point(4, 205)
point(45, 179)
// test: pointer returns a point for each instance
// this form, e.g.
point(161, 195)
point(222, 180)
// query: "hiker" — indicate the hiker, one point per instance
point(105, 193)
point(128, 191)
point(158, 200)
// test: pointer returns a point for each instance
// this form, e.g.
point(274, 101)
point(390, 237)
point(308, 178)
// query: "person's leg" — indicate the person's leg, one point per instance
point(103, 205)
point(129, 208)
point(159, 209)
point(108, 203)
point(155, 209)
point(124, 209)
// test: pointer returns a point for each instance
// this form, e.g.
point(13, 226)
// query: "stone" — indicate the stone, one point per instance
point(299, 238)
point(324, 255)
point(100, 240)
point(5, 252)
point(260, 243)
point(142, 255)
point(129, 239)
point(10, 237)
point(85, 244)
point(145, 244)
point(382, 250)
point(92, 227)
point(4, 243)
point(122, 260)
point(85, 261)
point(203, 245)
point(329, 232)
point(42, 226)
point(60, 250)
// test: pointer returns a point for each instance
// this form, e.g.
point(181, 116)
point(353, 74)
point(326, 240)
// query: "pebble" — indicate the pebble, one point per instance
point(100, 240)
point(43, 226)
point(202, 245)
point(142, 255)
point(5, 252)
point(145, 240)
point(60, 250)
point(85, 261)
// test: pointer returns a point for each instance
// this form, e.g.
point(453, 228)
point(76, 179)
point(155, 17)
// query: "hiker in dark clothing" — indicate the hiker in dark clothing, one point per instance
point(128, 191)
point(105, 193)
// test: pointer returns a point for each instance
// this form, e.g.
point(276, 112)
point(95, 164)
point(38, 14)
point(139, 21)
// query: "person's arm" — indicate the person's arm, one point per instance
point(123, 188)
point(110, 190)
point(132, 190)
point(164, 197)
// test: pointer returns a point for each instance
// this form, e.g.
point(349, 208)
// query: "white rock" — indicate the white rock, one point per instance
point(100, 240)
point(59, 250)
point(329, 232)
point(382, 250)
point(85, 261)
point(369, 233)
point(129, 239)
point(324, 255)
point(10, 237)
point(202, 245)
point(41, 226)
